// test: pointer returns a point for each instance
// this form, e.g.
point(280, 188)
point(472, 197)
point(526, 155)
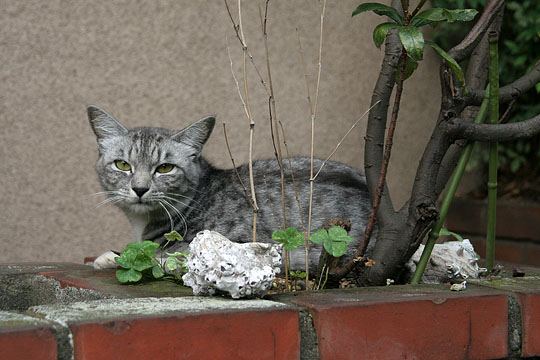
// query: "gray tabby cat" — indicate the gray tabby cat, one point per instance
point(160, 180)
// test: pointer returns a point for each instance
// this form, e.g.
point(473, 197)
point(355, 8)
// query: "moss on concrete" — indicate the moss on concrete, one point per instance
point(527, 284)
point(21, 291)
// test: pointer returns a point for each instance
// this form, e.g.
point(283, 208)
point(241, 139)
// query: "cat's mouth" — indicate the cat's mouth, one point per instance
point(139, 205)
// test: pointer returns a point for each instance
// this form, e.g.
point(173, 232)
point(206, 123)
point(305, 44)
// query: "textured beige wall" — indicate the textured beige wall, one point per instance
point(164, 63)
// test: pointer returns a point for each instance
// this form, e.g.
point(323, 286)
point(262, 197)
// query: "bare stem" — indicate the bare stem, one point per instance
point(343, 138)
point(240, 38)
point(234, 165)
point(418, 7)
point(247, 109)
point(244, 105)
point(295, 188)
point(306, 75)
point(313, 116)
point(273, 113)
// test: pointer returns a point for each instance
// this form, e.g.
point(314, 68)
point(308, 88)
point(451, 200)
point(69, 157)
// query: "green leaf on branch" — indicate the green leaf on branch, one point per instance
point(334, 240)
point(137, 257)
point(339, 234)
point(412, 40)
point(176, 261)
point(319, 236)
point(126, 258)
point(173, 236)
point(172, 263)
point(142, 262)
point(434, 15)
point(454, 66)
point(157, 272)
point(410, 67)
point(291, 238)
point(128, 276)
point(297, 275)
point(381, 32)
point(446, 232)
point(379, 9)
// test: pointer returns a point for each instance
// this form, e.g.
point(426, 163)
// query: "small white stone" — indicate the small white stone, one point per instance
point(459, 287)
point(239, 269)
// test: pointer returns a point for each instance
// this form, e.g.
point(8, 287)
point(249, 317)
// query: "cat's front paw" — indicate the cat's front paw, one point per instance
point(106, 261)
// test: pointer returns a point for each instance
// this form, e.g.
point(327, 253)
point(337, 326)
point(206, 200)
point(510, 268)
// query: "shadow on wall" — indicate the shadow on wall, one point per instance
point(165, 64)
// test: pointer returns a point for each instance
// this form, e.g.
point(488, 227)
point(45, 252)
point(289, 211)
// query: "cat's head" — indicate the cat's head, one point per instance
point(146, 169)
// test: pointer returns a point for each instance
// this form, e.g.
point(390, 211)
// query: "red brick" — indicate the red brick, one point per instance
point(530, 313)
point(67, 279)
point(533, 255)
point(421, 327)
point(510, 251)
point(19, 344)
point(230, 335)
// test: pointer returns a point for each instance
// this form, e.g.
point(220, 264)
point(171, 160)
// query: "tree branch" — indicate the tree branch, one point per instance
point(376, 126)
point(476, 78)
point(467, 45)
point(511, 91)
point(496, 132)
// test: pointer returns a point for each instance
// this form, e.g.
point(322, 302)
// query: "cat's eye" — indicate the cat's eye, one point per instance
point(164, 168)
point(122, 165)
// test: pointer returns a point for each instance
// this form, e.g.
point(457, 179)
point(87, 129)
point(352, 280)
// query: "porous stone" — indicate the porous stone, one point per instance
point(218, 265)
point(450, 261)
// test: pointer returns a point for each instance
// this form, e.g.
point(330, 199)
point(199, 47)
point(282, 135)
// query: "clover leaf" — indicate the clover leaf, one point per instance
point(291, 238)
point(335, 240)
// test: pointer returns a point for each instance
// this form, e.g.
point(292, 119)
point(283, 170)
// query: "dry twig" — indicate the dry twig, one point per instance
point(313, 116)
point(343, 138)
point(234, 165)
point(273, 113)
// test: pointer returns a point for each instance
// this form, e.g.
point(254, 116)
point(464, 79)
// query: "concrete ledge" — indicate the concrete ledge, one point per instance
point(491, 319)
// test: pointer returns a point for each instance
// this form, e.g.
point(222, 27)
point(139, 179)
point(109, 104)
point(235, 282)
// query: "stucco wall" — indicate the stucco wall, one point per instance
point(164, 63)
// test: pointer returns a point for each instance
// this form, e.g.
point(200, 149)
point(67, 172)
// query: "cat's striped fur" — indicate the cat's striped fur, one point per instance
point(195, 195)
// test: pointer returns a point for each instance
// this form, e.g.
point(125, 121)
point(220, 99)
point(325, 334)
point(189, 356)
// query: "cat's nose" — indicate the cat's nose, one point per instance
point(140, 191)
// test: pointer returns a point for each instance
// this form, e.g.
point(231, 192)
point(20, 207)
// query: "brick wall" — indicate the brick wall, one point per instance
point(85, 314)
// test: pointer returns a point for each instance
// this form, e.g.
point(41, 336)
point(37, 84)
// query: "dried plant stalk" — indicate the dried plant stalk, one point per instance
point(313, 116)
point(234, 164)
point(244, 97)
point(273, 113)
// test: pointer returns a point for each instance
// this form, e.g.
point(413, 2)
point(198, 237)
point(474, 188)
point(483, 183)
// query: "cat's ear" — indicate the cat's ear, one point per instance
point(103, 124)
point(196, 134)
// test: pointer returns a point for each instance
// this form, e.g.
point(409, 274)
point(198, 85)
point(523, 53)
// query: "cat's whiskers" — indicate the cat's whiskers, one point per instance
point(180, 202)
point(168, 213)
point(194, 189)
point(179, 214)
point(112, 200)
point(182, 196)
point(113, 192)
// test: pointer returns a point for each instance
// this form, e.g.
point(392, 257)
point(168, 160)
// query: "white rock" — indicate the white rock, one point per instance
point(450, 260)
point(459, 286)
point(217, 264)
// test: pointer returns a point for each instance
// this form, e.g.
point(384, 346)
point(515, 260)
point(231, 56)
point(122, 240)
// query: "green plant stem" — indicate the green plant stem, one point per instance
point(448, 197)
point(493, 149)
